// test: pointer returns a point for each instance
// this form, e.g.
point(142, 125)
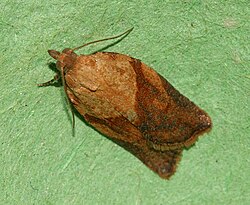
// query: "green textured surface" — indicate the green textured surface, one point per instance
point(201, 47)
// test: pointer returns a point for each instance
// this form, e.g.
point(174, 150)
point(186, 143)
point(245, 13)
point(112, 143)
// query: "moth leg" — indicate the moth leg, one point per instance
point(50, 82)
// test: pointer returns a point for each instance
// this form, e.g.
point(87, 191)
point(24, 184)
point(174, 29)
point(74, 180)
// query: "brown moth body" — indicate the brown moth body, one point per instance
point(133, 105)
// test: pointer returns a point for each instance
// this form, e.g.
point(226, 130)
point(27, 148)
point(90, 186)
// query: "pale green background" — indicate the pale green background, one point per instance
point(201, 47)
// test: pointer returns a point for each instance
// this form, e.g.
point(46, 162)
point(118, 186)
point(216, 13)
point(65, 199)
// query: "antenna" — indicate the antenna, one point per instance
point(105, 39)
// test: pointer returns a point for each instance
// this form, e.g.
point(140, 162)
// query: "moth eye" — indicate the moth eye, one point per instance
point(67, 51)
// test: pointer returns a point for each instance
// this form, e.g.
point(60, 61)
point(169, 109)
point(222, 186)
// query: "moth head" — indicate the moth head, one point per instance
point(65, 60)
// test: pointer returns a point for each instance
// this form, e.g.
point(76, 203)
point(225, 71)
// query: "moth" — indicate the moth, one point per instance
point(131, 104)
